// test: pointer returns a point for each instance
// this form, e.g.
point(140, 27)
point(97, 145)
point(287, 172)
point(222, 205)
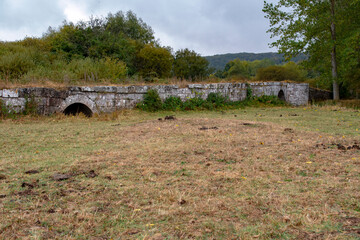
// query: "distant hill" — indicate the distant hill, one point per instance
point(219, 61)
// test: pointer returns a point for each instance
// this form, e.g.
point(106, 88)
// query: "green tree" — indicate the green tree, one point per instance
point(130, 26)
point(258, 64)
point(290, 71)
point(190, 65)
point(244, 69)
point(118, 36)
point(154, 61)
point(238, 68)
point(314, 27)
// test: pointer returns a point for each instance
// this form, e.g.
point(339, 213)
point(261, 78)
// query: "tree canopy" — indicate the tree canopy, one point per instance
point(325, 30)
point(104, 48)
point(190, 65)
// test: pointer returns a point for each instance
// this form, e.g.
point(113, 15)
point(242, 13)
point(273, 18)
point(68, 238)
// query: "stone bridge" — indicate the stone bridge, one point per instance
point(98, 99)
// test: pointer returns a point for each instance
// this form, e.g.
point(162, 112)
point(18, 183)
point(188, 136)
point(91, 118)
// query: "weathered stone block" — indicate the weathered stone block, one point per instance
point(8, 93)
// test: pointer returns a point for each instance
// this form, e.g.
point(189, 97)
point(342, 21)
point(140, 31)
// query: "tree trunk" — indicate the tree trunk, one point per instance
point(336, 90)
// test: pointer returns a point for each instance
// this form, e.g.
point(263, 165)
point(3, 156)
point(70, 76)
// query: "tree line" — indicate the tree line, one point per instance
point(113, 47)
point(219, 61)
point(322, 38)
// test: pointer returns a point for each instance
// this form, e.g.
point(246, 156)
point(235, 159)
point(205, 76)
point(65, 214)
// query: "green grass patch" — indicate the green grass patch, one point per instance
point(229, 174)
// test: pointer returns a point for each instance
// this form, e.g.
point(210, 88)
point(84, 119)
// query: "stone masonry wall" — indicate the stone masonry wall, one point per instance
point(319, 95)
point(109, 98)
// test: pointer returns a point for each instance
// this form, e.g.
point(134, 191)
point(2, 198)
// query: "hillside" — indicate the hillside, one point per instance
point(219, 61)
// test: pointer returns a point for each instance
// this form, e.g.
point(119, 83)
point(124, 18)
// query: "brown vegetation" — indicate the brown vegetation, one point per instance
point(194, 177)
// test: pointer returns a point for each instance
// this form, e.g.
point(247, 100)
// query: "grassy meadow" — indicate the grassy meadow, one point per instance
point(253, 173)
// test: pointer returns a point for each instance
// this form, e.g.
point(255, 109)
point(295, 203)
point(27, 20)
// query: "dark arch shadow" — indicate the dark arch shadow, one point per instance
point(76, 108)
point(281, 95)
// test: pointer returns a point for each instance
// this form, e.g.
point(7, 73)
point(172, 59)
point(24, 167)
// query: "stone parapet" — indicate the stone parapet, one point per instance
point(111, 98)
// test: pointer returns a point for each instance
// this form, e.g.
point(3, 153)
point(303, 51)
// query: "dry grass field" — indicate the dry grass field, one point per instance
point(272, 173)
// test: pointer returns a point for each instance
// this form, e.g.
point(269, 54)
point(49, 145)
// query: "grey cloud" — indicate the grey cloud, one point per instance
point(206, 26)
point(29, 17)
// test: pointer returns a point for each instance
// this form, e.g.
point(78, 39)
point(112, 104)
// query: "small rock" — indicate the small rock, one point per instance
point(61, 177)
point(32, 172)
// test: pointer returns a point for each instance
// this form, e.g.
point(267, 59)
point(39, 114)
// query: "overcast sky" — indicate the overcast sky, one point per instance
point(207, 26)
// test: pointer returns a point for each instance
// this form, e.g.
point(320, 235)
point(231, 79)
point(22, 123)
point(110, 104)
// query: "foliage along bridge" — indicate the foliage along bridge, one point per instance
point(98, 99)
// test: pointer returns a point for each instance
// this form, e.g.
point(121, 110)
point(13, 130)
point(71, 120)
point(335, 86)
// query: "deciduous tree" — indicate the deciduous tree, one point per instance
point(316, 28)
point(190, 65)
point(154, 61)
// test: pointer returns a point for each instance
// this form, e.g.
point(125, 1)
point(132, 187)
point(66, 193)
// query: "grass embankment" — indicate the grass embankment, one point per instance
point(273, 173)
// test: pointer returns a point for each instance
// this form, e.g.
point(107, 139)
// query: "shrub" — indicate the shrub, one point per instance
point(31, 106)
point(14, 65)
point(289, 71)
point(112, 69)
point(152, 101)
point(193, 103)
point(4, 110)
point(172, 104)
point(270, 100)
point(249, 93)
point(216, 100)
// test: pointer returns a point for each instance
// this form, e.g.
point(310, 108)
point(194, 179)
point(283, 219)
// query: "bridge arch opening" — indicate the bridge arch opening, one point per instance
point(281, 95)
point(77, 108)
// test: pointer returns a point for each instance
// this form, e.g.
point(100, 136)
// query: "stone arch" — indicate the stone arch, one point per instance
point(77, 108)
point(75, 104)
point(281, 95)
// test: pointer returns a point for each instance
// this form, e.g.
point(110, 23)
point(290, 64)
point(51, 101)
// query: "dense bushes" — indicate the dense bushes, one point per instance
point(26, 64)
point(102, 49)
point(154, 62)
point(4, 110)
point(172, 104)
point(289, 71)
point(239, 69)
point(153, 103)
